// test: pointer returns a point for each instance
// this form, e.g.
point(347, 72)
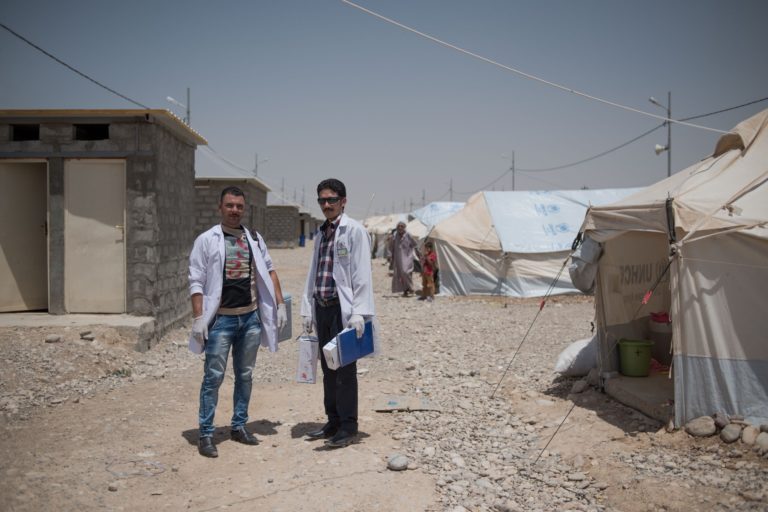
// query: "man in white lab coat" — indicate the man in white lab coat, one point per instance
point(237, 304)
point(338, 294)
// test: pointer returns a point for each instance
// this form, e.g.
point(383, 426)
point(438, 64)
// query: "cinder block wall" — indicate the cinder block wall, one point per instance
point(282, 226)
point(162, 210)
point(207, 193)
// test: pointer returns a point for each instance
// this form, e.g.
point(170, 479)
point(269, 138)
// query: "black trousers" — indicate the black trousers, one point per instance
point(339, 386)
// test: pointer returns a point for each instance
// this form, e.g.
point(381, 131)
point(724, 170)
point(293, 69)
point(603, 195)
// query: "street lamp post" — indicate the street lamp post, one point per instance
point(188, 118)
point(668, 147)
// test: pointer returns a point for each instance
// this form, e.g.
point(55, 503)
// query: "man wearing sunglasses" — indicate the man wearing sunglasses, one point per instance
point(338, 294)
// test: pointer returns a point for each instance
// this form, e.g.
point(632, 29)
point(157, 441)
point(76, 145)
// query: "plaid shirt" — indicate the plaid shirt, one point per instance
point(325, 286)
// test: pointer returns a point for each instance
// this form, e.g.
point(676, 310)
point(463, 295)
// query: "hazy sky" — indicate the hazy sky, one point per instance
point(321, 89)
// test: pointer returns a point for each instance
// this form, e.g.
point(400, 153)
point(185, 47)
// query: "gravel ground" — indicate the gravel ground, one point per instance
point(484, 447)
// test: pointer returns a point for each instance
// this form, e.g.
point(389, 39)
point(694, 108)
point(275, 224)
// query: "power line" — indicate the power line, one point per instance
point(572, 164)
point(250, 172)
point(638, 138)
point(488, 185)
point(550, 183)
point(33, 45)
point(527, 75)
point(724, 110)
point(601, 154)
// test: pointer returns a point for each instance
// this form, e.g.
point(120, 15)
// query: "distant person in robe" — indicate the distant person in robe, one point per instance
point(401, 249)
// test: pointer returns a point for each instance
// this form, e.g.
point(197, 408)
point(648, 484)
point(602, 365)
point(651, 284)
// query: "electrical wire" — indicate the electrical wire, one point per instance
point(486, 186)
point(527, 75)
point(724, 110)
point(594, 157)
point(250, 171)
point(572, 164)
point(578, 162)
point(33, 45)
point(542, 180)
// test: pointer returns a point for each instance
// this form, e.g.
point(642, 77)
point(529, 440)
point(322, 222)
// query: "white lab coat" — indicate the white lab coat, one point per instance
point(351, 272)
point(206, 276)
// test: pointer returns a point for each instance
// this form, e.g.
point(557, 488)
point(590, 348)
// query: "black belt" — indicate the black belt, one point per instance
point(333, 301)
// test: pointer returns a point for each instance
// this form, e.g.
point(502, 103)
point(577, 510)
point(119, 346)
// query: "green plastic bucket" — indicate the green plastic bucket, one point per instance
point(635, 357)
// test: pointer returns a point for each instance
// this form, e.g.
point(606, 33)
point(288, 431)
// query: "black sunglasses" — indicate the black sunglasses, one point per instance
point(329, 200)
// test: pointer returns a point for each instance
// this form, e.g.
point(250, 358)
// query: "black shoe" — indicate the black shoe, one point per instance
point(325, 431)
point(206, 447)
point(341, 439)
point(241, 435)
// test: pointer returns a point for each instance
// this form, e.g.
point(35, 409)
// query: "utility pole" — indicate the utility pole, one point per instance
point(668, 147)
point(189, 109)
point(450, 190)
point(303, 197)
point(513, 170)
point(669, 134)
point(282, 192)
point(423, 198)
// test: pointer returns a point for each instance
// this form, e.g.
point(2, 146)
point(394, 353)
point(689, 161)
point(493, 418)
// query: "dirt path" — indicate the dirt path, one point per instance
point(134, 449)
point(95, 426)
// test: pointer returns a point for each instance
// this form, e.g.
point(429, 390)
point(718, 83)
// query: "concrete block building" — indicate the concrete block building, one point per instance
point(282, 228)
point(97, 212)
point(212, 175)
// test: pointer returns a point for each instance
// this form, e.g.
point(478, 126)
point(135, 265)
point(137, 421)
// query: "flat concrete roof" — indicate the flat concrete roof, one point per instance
point(161, 116)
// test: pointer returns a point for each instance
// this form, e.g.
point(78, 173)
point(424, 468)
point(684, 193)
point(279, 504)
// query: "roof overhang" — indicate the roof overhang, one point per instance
point(162, 117)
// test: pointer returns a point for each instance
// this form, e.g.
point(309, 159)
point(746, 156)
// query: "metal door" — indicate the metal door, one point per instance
point(94, 236)
point(23, 237)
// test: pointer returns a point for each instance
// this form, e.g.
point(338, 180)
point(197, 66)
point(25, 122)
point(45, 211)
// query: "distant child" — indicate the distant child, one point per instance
point(428, 269)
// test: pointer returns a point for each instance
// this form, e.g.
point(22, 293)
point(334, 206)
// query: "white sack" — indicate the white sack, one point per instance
point(578, 358)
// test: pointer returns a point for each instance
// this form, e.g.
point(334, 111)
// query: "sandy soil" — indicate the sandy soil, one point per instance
point(93, 425)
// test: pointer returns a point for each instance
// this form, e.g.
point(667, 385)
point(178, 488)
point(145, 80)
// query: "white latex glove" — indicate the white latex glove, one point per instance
point(306, 322)
point(200, 329)
point(282, 316)
point(357, 323)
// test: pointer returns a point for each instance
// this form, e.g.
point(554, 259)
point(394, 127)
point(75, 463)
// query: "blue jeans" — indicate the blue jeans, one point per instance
point(243, 334)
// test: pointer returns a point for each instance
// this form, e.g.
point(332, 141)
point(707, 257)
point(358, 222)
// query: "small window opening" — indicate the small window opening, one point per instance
point(25, 132)
point(91, 131)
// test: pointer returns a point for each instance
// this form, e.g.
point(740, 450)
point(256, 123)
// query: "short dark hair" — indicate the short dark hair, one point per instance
point(333, 184)
point(233, 191)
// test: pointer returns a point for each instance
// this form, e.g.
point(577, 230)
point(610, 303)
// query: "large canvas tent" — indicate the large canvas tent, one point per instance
point(436, 211)
point(707, 224)
point(424, 219)
point(513, 243)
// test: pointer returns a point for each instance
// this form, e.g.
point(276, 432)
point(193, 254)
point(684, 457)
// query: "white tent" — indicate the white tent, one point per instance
point(416, 229)
point(709, 223)
point(436, 211)
point(513, 243)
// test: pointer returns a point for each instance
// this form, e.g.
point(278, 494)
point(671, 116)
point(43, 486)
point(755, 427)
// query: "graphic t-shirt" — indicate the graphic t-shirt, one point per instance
point(238, 291)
